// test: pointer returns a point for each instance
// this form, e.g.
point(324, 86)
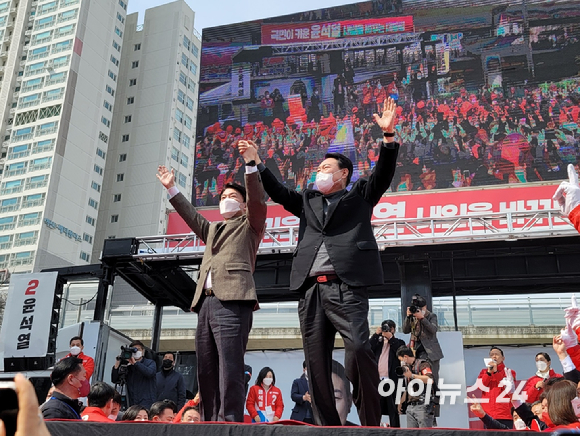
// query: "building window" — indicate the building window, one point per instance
point(120, 177)
point(115, 61)
point(118, 32)
point(187, 121)
point(116, 198)
point(90, 220)
point(181, 96)
point(120, 17)
point(105, 121)
point(175, 154)
point(87, 238)
point(114, 218)
point(123, 157)
point(93, 203)
point(103, 137)
point(127, 119)
point(125, 138)
point(110, 90)
point(182, 179)
point(85, 256)
point(123, 4)
point(101, 153)
point(177, 134)
point(178, 115)
point(108, 106)
point(189, 103)
point(195, 50)
point(184, 160)
point(183, 78)
point(132, 82)
point(134, 64)
point(98, 170)
point(112, 75)
point(130, 100)
point(137, 47)
point(185, 140)
point(116, 46)
point(96, 186)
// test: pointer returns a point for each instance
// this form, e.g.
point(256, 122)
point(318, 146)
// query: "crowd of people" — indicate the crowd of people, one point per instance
point(470, 138)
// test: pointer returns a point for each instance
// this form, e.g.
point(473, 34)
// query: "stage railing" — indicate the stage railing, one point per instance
point(442, 229)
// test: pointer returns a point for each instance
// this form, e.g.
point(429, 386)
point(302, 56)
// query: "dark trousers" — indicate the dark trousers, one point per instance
point(222, 334)
point(388, 407)
point(324, 309)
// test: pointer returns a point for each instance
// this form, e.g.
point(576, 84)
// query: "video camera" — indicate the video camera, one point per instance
point(126, 354)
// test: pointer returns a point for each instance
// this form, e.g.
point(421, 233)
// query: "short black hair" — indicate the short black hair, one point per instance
point(132, 344)
point(390, 323)
point(77, 338)
point(132, 412)
point(65, 367)
point(304, 364)
point(338, 369)
point(546, 356)
point(419, 300)
point(100, 394)
point(493, 347)
point(343, 162)
point(159, 407)
point(405, 351)
point(169, 352)
point(187, 409)
point(117, 398)
point(235, 186)
point(262, 375)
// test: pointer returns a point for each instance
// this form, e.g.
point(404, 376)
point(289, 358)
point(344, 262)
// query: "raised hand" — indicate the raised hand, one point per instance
point(249, 151)
point(166, 177)
point(387, 120)
point(476, 408)
point(568, 193)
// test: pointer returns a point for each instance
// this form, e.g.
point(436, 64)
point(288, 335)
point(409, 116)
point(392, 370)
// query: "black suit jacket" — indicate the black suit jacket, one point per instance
point(376, 342)
point(346, 231)
point(299, 388)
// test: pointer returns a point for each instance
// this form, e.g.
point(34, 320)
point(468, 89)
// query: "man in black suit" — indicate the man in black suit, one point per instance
point(337, 258)
point(385, 345)
point(303, 409)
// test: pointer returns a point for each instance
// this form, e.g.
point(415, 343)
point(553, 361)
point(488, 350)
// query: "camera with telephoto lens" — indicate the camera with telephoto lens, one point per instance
point(413, 309)
point(126, 354)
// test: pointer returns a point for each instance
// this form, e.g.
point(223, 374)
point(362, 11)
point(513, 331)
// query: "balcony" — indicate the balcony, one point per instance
point(28, 104)
point(35, 185)
point(65, 19)
point(32, 203)
point(40, 41)
point(35, 57)
point(17, 155)
point(43, 26)
point(36, 150)
point(30, 73)
point(6, 245)
point(31, 88)
point(46, 131)
point(40, 167)
point(16, 172)
point(52, 97)
point(26, 241)
point(46, 11)
point(8, 226)
point(22, 137)
point(25, 261)
point(9, 208)
point(70, 32)
point(61, 49)
point(55, 81)
point(13, 190)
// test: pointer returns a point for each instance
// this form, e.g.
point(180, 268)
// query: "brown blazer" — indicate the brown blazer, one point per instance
point(231, 245)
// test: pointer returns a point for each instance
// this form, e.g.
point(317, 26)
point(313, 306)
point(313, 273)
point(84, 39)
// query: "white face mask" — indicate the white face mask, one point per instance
point(519, 424)
point(267, 381)
point(541, 365)
point(75, 351)
point(137, 355)
point(229, 207)
point(324, 181)
point(113, 417)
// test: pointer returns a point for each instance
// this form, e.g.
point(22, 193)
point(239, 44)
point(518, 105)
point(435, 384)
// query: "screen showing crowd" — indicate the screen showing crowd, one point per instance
point(486, 95)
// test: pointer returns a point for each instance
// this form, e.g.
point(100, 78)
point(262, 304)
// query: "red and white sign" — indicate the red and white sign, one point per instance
point(28, 313)
point(324, 31)
point(427, 204)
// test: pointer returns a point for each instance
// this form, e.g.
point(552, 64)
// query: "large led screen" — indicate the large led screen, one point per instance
point(487, 93)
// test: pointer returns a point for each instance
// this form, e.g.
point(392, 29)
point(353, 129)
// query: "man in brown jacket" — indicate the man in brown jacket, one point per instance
point(225, 296)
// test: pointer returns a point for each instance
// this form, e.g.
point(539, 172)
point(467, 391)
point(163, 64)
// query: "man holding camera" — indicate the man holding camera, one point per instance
point(420, 394)
point(422, 325)
point(138, 373)
point(384, 346)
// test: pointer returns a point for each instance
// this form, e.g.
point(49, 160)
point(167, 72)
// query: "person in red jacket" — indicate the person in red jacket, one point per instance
point(188, 404)
point(568, 197)
point(100, 401)
point(264, 403)
point(495, 401)
point(77, 346)
point(535, 384)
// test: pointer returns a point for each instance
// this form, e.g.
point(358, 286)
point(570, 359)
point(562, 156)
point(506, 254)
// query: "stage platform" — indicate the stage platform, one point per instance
point(282, 428)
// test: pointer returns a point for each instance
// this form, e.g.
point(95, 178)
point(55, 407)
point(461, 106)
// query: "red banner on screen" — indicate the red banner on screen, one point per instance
point(308, 32)
point(419, 205)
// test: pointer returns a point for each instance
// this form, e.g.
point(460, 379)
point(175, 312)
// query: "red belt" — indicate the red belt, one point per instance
point(325, 278)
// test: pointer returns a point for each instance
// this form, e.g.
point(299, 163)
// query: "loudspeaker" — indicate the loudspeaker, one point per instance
point(120, 249)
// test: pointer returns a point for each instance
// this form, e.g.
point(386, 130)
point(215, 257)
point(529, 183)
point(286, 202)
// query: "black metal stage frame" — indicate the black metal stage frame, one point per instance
point(521, 266)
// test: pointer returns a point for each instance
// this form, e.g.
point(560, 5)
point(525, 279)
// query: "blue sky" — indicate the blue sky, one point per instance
point(215, 13)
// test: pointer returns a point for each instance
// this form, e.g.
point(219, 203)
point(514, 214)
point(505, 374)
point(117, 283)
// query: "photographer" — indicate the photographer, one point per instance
point(138, 373)
point(420, 407)
point(422, 325)
point(384, 346)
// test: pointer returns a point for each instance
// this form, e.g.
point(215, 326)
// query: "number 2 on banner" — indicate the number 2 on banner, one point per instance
point(32, 285)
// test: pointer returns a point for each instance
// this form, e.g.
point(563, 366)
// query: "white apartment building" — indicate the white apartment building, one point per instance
point(60, 67)
point(153, 123)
